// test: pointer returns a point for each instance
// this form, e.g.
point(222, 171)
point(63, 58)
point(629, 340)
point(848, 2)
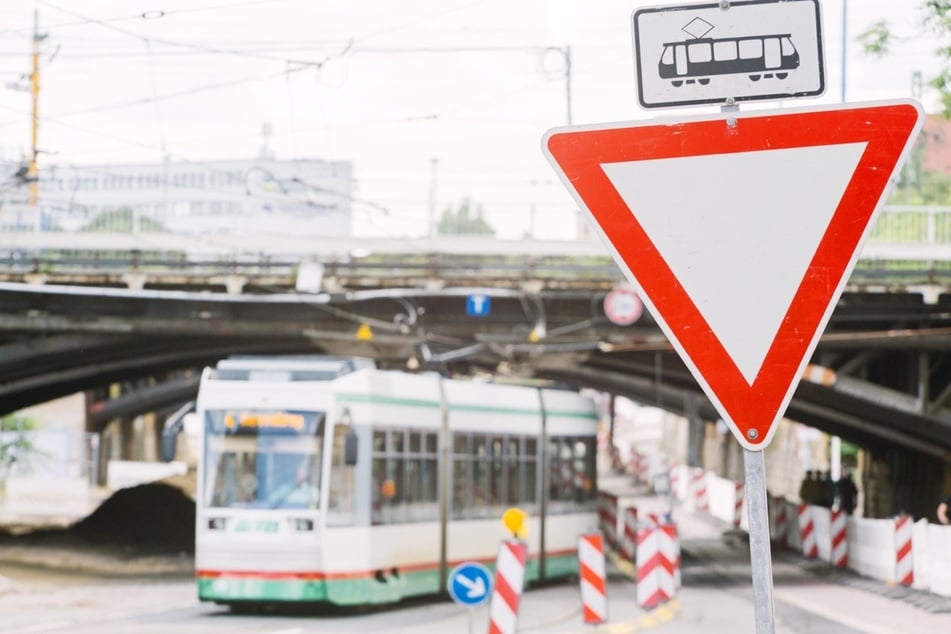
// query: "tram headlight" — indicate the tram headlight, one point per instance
point(302, 524)
point(216, 523)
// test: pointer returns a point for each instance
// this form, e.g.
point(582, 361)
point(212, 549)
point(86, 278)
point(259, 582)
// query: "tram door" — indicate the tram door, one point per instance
point(772, 53)
point(680, 59)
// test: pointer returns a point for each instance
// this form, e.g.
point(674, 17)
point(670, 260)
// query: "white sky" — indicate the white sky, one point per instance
point(389, 95)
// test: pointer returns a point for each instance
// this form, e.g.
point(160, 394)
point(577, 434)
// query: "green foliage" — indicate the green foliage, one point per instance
point(464, 220)
point(879, 39)
point(17, 450)
point(122, 221)
point(15, 422)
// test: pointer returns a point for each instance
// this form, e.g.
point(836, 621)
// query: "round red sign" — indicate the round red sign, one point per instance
point(623, 307)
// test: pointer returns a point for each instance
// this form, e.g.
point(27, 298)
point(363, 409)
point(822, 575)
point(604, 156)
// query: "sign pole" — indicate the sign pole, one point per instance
point(754, 468)
point(761, 565)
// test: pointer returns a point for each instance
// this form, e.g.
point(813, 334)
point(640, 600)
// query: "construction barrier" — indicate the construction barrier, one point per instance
point(607, 517)
point(507, 588)
point(904, 570)
point(658, 564)
point(840, 543)
point(807, 532)
point(778, 519)
point(593, 578)
point(628, 540)
point(676, 477)
point(738, 499)
point(698, 489)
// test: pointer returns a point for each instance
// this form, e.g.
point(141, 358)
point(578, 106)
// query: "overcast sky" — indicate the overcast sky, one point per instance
point(430, 99)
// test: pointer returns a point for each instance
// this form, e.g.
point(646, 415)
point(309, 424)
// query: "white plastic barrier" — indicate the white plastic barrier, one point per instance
point(872, 547)
point(680, 481)
point(924, 558)
point(822, 525)
point(722, 496)
point(46, 497)
point(129, 473)
point(938, 548)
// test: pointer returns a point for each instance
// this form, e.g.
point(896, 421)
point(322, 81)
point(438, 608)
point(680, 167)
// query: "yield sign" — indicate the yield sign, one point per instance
point(739, 232)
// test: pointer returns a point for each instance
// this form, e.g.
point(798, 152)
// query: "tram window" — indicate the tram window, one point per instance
point(725, 51)
point(379, 442)
point(699, 53)
point(480, 476)
point(787, 46)
point(512, 493)
point(751, 49)
point(579, 480)
point(667, 57)
point(432, 444)
point(340, 501)
point(397, 442)
point(415, 442)
point(496, 476)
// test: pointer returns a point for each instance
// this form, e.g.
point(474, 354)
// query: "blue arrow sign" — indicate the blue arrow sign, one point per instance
point(470, 584)
point(478, 305)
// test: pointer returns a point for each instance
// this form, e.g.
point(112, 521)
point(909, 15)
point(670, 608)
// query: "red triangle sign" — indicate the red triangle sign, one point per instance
point(739, 231)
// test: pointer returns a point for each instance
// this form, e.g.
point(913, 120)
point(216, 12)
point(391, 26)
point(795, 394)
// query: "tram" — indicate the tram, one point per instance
point(327, 480)
point(758, 56)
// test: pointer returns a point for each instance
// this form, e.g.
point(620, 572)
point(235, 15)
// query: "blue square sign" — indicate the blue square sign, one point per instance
point(478, 305)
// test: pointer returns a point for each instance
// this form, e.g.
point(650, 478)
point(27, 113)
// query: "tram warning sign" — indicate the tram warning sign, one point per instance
point(739, 232)
point(742, 50)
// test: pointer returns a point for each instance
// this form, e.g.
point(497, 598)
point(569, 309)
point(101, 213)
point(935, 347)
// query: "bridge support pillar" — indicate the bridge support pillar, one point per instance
point(234, 284)
point(135, 281)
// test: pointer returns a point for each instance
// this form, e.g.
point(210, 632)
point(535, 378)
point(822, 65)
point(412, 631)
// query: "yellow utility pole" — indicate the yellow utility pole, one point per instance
point(32, 173)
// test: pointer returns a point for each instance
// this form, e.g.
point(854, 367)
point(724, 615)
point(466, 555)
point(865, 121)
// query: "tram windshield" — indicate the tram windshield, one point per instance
point(262, 459)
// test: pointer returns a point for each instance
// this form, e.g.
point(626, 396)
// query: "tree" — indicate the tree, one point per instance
point(464, 220)
point(879, 39)
point(16, 446)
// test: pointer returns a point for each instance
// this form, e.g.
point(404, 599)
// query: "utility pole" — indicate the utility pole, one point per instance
point(32, 173)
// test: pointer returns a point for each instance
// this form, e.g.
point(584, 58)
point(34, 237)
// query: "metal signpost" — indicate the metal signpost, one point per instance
point(742, 294)
point(470, 585)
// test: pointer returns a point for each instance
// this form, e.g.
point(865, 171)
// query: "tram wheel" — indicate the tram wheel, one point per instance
point(704, 81)
point(754, 77)
point(677, 83)
point(781, 75)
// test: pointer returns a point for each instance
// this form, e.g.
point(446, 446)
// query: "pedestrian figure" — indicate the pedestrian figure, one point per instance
point(846, 492)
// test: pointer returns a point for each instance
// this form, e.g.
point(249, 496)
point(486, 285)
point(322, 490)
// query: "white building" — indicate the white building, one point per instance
point(306, 197)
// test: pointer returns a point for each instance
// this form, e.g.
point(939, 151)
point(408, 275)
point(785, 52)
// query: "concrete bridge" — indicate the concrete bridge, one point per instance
point(126, 312)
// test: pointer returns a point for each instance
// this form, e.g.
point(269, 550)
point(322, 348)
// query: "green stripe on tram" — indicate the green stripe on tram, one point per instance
point(484, 409)
point(361, 591)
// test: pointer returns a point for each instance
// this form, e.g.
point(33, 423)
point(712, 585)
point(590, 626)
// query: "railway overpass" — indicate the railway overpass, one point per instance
point(117, 309)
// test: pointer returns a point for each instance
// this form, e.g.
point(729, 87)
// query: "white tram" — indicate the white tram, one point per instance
point(326, 480)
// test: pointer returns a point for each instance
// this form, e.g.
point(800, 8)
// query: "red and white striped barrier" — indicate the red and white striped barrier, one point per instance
point(643, 468)
point(607, 517)
point(593, 578)
point(840, 543)
point(698, 488)
point(738, 503)
point(807, 532)
point(780, 520)
point(628, 541)
point(507, 590)
point(674, 475)
point(904, 568)
point(658, 565)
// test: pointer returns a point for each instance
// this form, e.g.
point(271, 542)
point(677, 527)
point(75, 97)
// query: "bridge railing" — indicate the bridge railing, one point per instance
point(908, 245)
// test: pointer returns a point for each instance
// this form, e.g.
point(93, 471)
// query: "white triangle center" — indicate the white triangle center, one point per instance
point(739, 231)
